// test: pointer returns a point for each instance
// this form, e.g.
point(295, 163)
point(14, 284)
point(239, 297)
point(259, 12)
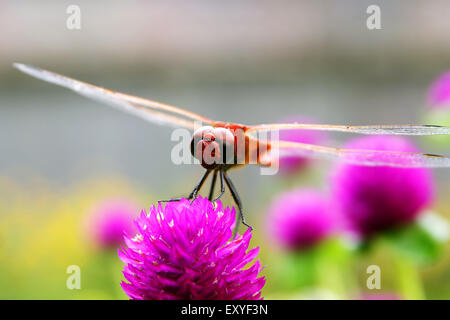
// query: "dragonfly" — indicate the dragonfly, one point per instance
point(220, 136)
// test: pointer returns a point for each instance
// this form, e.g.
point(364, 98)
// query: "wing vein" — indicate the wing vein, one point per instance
point(362, 156)
point(144, 108)
point(419, 130)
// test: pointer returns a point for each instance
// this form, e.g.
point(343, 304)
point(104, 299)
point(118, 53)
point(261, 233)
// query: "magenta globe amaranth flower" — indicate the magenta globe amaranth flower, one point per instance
point(289, 164)
point(184, 251)
point(300, 218)
point(372, 199)
point(439, 92)
point(108, 221)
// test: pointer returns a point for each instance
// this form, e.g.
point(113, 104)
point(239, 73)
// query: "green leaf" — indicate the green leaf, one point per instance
point(417, 242)
point(299, 269)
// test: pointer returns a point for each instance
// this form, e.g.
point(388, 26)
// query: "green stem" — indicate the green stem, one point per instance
point(408, 280)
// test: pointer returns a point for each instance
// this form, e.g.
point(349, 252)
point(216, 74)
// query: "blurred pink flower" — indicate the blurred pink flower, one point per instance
point(109, 220)
point(380, 296)
point(372, 199)
point(439, 92)
point(300, 219)
point(289, 164)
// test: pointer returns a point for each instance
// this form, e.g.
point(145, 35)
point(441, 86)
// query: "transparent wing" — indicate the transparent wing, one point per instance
point(146, 109)
point(417, 130)
point(358, 157)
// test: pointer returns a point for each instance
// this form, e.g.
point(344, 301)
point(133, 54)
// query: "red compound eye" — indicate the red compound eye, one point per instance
point(209, 137)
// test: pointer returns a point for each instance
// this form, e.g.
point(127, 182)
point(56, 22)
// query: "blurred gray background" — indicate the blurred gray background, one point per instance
point(245, 61)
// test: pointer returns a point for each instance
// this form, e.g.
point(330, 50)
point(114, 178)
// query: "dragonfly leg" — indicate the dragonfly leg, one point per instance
point(213, 184)
point(194, 193)
point(222, 185)
point(237, 200)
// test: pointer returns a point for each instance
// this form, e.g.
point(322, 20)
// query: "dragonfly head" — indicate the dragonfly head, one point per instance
point(212, 146)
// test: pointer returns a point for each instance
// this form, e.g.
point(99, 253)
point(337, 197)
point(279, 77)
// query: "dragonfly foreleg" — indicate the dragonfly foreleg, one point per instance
point(194, 193)
point(222, 185)
point(213, 184)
